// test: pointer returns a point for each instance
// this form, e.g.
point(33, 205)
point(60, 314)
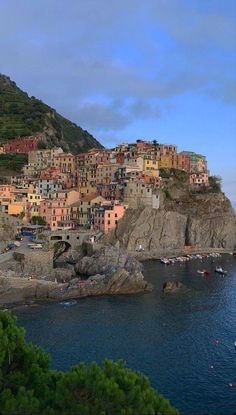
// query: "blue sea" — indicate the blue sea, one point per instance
point(183, 342)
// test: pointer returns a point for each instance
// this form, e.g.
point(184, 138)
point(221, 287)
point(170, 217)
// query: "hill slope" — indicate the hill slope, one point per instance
point(21, 115)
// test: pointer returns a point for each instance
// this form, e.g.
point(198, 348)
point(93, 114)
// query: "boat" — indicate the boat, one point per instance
point(200, 272)
point(235, 344)
point(165, 261)
point(220, 270)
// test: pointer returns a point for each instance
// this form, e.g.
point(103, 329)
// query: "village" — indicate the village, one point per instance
point(92, 190)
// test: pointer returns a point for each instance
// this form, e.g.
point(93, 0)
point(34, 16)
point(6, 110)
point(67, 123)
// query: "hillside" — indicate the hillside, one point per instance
point(21, 115)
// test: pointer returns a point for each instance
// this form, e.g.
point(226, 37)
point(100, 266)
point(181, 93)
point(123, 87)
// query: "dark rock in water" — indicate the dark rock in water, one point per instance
point(170, 287)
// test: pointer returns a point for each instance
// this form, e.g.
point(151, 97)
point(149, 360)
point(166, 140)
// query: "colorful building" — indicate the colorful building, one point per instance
point(107, 216)
point(86, 208)
point(199, 180)
point(56, 213)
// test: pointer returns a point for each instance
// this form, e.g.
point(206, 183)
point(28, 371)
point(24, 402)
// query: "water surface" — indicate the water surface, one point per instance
point(184, 342)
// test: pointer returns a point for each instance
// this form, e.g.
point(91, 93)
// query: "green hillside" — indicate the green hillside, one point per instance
point(21, 115)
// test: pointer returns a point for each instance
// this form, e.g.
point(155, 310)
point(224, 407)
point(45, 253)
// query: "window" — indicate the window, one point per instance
point(116, 221)
point(115, 215)
point(109, 222)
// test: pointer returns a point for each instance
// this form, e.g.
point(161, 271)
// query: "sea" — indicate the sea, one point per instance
point(183, 342)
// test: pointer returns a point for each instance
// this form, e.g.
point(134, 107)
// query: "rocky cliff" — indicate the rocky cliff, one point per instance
point(199, 220)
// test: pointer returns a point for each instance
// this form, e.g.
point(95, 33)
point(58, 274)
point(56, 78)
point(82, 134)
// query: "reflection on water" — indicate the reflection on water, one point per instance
point(183, 342)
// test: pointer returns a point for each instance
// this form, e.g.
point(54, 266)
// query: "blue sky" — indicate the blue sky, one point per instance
point(163, 69)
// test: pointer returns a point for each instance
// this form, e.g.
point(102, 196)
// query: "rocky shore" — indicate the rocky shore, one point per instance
point(108, 270)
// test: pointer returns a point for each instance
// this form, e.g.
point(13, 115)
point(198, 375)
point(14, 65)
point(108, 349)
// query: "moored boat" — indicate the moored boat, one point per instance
point(165, 261)
point(220, 270)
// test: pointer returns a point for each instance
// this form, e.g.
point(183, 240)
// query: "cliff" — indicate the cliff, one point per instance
point(21, 115)
point(199, 220)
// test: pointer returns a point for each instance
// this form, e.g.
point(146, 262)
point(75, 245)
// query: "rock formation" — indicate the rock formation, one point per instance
point(110, 270)
point(108, 259)
point(173, 287)
point(201, 220)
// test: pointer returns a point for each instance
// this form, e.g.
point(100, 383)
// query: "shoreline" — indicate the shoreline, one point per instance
point(153, 255)
point(23, 292)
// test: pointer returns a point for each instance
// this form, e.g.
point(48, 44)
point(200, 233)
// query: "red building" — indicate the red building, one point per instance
point(183, 162)
point(22, 145)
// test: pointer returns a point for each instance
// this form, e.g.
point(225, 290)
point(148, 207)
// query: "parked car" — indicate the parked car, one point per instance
point(35, 246)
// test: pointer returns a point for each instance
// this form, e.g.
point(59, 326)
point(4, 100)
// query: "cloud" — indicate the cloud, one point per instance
point(141, 54)
point(115, 115)
point(101, 117)
point(225, 92)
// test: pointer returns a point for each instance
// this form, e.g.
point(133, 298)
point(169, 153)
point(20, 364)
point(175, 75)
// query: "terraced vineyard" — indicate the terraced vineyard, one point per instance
point(21, 115)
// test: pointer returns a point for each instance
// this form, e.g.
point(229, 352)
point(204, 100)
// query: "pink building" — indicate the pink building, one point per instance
point(108, 215)
point(56, 213)
point(199, 179)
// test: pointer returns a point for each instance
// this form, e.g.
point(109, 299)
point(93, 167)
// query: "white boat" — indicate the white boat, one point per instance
point(220, 270)
point(235, 344)
point(165, 261)
point(200, 272)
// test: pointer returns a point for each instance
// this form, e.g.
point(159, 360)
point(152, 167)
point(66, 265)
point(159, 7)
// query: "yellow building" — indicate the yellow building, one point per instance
point(150, 165)
point(34, 198)
point(65, 162)
point(87, 188)
point(15, 208)
point(168, 162)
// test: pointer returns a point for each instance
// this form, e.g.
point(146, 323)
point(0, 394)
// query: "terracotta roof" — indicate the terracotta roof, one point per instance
point(88, 198)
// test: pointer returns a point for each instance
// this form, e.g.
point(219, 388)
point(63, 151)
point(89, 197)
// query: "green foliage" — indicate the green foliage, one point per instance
point(38, 220)
point(179, 175)
point(167, 193)
point(215, 184)
point(21, 115)
point(29, 387)
point(41, 145)
point(12, 161)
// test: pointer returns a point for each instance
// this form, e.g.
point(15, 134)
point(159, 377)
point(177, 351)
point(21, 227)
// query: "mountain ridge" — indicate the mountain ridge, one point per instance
point(21, 115)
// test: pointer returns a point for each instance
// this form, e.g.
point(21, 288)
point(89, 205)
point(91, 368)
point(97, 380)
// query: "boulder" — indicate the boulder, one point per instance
point(171, 287)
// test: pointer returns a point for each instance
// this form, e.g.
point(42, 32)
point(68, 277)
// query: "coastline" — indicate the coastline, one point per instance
point(154, 255)
point(25, 292)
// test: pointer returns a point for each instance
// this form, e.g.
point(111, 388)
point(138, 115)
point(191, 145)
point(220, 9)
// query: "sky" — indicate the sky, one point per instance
point(131, 69)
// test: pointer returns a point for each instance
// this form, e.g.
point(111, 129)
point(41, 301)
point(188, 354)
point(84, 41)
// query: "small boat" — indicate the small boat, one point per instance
point(220, 270)
point(200, 272)
point(235, 344)
point(165, 261)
